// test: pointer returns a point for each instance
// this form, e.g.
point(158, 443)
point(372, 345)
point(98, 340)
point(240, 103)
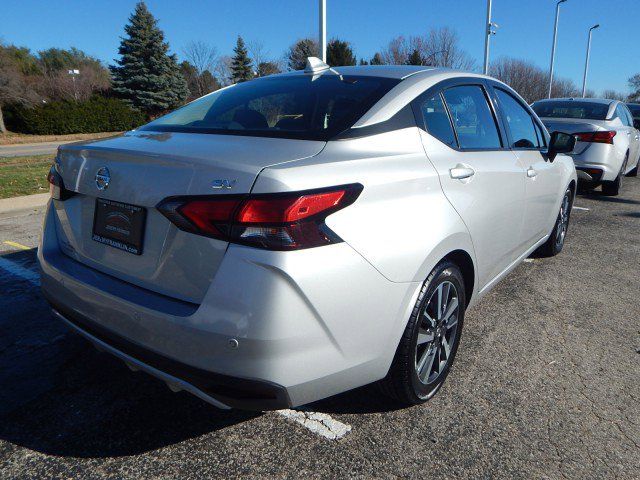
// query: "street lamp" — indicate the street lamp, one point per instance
point(553, 45)
point(74, 73)
point(322, 30)
point(586, 63)
point(490, 26)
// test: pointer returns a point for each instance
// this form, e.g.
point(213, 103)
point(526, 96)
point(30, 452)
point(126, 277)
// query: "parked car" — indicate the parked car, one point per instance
point(608, 143)
point(296, 236)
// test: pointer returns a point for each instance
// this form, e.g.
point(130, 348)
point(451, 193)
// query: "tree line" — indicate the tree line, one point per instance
point(147, 80)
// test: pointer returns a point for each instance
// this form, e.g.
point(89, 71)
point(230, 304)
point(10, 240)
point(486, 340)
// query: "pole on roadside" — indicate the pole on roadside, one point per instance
point(553, 45)
point(322, 30)
point(586, 63)
point(489, 31)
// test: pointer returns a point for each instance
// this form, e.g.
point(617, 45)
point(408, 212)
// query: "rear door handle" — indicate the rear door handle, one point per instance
point(460, 172)
point(531, 173)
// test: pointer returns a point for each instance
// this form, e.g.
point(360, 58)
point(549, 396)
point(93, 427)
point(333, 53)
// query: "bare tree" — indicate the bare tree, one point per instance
point(222, 70)
point(439, 47)
point(15, 86)
point(203, 58)
point(614, 95)
point(529, 80)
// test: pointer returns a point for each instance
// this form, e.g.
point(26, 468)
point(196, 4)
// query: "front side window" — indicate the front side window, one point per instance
point(521, 124)
point(436, 119)
point(472, 117)
point(297, 106)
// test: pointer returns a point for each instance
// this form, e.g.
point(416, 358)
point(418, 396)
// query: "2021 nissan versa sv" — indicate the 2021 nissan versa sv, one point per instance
point(296, 236)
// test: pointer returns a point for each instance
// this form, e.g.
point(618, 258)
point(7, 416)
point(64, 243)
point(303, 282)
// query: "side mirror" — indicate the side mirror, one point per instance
point(636, 123)
point(560, 143)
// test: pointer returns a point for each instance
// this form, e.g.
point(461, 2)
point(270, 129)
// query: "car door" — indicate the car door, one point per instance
point(480, 176)
point(528, 142)
point(634, 135)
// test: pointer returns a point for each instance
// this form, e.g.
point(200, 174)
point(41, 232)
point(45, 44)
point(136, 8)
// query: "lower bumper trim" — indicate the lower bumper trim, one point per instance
point(223, 391)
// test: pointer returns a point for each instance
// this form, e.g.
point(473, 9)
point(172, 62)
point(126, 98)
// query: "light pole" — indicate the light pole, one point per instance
point(74, 73)
point(322, 31)
point(488, 33)
point(586, 63)
point(553, 45)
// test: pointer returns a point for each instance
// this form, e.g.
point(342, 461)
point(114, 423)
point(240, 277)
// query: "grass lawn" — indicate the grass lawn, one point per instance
point(24, 175)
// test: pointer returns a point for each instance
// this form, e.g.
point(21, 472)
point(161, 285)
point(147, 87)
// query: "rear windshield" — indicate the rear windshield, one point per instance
point(635, 109)
point(297, 106)
point(571, 109)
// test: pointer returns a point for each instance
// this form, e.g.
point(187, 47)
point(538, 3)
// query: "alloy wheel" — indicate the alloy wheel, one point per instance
point(437, 333)
point(563, 219)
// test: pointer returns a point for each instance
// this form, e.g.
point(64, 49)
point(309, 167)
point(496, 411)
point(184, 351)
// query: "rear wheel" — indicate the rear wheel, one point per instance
point(430, 340)
point(555, 242)
point(611, 189)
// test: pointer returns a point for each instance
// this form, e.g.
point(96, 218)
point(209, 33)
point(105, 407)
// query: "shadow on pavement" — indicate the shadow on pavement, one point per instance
point(603, 198)
point(61, 397)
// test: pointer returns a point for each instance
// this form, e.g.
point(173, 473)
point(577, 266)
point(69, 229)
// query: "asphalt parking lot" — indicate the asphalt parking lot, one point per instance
point(546, 384)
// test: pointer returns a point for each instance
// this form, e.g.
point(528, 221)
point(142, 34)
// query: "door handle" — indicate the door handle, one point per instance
point(460, 172)
point(531, 173)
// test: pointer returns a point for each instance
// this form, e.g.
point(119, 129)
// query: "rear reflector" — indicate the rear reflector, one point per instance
point(287, 221)
point(595, 137)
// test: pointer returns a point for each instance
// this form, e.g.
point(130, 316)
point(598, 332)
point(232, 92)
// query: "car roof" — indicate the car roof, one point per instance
point(398, 72)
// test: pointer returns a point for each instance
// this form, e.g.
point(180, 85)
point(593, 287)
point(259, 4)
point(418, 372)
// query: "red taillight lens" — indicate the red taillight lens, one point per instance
point(287, 221)
point(56, 185)
point(595, 137)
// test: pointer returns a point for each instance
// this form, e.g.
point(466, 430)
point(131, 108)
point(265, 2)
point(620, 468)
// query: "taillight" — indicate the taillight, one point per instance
point(283, 221)
point(595, 137)
point(56, 185)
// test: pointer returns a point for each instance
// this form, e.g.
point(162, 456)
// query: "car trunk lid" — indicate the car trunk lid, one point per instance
point(574, 125)
point(143, 168)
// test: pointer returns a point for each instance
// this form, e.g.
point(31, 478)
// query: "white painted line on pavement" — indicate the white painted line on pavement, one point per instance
point(528, 260)
point(19, 271)
point(580, 208)
point(318, 423)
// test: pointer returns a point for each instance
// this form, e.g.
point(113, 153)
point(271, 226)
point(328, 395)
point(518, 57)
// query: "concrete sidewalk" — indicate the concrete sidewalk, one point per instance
point(24, 149)
point(23, 203)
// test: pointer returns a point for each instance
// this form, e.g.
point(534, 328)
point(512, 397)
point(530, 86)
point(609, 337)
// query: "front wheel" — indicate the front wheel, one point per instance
point(430, 340)
point(555, 242)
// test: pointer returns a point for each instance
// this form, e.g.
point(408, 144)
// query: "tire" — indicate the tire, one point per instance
point(611, 189)
point(403, 382)
point(555, 242)
point(634, 172)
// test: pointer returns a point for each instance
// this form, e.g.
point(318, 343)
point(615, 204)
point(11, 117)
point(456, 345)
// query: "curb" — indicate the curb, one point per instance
point(23, 203)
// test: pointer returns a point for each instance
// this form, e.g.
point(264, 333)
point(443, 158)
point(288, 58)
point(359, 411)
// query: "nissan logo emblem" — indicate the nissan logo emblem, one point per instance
point(103, 178)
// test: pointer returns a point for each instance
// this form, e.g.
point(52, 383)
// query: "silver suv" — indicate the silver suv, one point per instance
point(299, 235)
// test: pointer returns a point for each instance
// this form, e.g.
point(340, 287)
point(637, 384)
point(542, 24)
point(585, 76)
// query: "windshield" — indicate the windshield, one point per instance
point(571, 109)
point(635, 109)
point(296, 106)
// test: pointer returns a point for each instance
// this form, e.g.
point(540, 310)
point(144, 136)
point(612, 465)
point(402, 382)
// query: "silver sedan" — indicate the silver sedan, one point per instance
point(296, 236)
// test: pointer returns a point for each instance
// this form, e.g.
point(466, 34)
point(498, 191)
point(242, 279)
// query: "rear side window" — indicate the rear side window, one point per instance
point(520, 123)
point(436, 119)
point(473, 120)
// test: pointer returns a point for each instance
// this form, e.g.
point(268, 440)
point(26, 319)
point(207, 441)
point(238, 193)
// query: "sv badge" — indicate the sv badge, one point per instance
point(223, 183)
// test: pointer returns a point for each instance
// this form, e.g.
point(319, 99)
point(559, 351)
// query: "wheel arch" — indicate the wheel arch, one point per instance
point(465, 263)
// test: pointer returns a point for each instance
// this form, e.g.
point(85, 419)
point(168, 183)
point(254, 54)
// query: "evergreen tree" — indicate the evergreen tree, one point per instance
point(241, 63)
point(415, 58)
point(376, 59)
point(363, 62)
point(146, 76)
point(300, 51)
point(339, 53)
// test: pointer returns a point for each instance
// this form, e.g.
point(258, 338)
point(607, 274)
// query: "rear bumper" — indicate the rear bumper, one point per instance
point(274, 330)
point(222, 391)
point(602, 157)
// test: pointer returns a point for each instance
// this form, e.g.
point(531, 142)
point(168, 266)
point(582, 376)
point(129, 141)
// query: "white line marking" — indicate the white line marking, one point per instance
point(318, 423)
point(528, 260)
point(580, 208)
point(15, 269)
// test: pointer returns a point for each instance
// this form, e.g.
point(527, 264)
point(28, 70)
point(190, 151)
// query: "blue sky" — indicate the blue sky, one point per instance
point(525, 27)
